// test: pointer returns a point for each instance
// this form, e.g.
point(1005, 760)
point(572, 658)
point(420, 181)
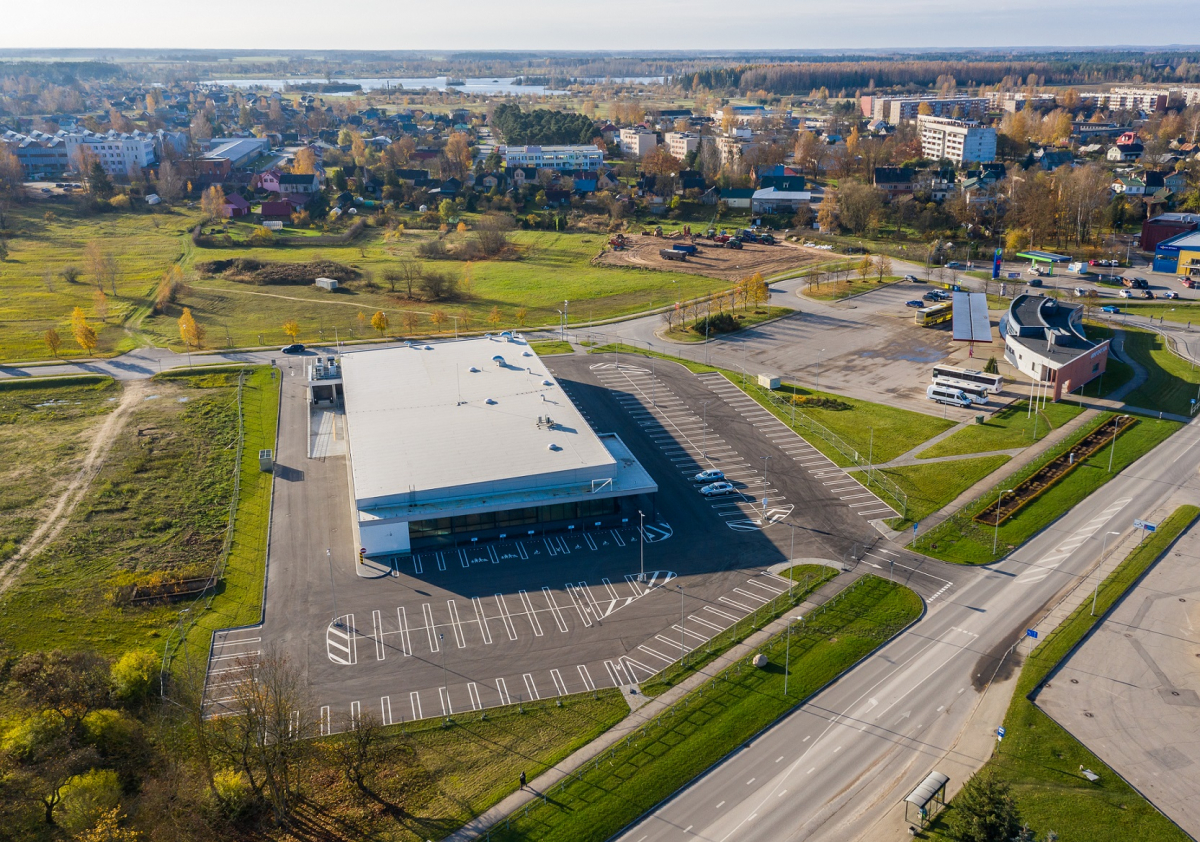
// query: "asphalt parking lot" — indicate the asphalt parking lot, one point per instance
point(482, 625)
point(1131, 692)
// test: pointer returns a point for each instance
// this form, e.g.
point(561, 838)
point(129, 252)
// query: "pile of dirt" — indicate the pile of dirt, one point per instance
point(249, 271)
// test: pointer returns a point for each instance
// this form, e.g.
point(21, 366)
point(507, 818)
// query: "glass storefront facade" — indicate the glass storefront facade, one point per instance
point(514, 519)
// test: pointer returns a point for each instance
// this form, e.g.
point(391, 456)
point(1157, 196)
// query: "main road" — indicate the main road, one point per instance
point(836, 766)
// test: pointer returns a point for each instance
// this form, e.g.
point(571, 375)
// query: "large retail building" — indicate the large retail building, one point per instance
point(475, 439)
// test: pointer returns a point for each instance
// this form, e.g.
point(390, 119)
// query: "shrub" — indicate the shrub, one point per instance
point(233, 793)
point(133, 676)
point(717, 323)
point(88, 796)
point(120, 202)
point(32, 732)
point(262, 237)
point(111, 732)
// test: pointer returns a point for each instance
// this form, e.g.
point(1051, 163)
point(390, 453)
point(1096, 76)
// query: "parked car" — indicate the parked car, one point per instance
point(1035, 282)
point(1148, 294)
point(294, 348)
point(1036, 271)
point(1170, 294)
point(1080, 291)
point(954, 264)
point(914, 303)
point(930, 296)
point(717, 488)
point(711, 475)
point(1125, 293)
point(913, 279)
point(1110, 308)
point(942, 295)
point(1187, 282)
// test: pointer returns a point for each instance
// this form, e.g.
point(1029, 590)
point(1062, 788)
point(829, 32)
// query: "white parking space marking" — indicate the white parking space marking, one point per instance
point(325, 725)
point(757, 597)
point(559, 684)
point(481, 618)
point(502, 689)
point(433, 641)
point(355, 713)
point(558, 618)
point(531, 614)
point(377, 634)
point(385, 710)
point(655, 653)
point(729, 601)
point(505, 618)
point(444, 698)
point(405, 643)
point(473, 694)
point(587, 678)
point(457, 626)
point(530, 686)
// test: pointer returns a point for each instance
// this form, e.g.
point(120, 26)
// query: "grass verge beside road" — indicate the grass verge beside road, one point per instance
point(1171, 383)
point(961, 540)
point(836, 291)
point(809, 576)
point(1008, 428)
point(713, 721)
point(933, 485)
point(1041, 761)
point(550, 347)
point(239, 601)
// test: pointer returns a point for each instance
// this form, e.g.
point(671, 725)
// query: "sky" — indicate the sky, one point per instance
point(606, 25)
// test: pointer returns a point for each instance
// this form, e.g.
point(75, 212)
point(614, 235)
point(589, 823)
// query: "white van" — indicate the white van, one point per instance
point(945, 394)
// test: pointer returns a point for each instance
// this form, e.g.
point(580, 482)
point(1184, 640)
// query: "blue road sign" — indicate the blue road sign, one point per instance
point(1031, 633)
point(1145, 525)
point(915, 525)
point(1000, 731)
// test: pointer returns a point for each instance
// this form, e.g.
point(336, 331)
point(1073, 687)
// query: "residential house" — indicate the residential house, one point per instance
point(1129, 186)
point(1052, 159)
point(1127, 149)
point(735, 197)
point(775, 200)
point(894, 181)
point(235, 206)
point(1169, 179)
point(276, 210)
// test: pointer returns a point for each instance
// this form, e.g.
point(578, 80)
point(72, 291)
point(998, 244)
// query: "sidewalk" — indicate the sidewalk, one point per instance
point(647, 710)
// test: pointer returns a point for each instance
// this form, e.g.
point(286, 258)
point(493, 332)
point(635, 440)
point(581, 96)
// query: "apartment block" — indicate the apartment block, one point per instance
point(637, 141)
point(894, 109)
point(679, 144)
point(960, 141)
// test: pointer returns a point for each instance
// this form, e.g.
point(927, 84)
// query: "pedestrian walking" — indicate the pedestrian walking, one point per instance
point(522, 780)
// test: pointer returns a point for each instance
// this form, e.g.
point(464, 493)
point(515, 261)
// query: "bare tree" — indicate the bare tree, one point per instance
point(358, 751)
point(491, 230)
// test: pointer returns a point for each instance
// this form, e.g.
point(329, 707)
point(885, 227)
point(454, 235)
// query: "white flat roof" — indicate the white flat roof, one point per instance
point(445, 419)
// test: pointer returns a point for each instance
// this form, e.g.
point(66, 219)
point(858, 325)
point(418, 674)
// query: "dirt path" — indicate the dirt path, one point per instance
point(73, 492)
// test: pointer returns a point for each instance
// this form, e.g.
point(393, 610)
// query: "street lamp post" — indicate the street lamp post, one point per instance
point(819, 353)
point(682, 648)
point(642, 545)
point(563, 334)
point(766, 466)
point(704, 427)
point(996, 534)
point(1112, 450)
point(1103, 548)
point(787, 651)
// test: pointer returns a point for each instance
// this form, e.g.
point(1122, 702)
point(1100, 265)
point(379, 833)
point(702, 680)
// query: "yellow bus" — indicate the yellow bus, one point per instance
point(929, 316)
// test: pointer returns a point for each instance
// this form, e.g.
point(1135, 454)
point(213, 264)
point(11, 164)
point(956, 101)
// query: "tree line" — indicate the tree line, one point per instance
point(541, 126)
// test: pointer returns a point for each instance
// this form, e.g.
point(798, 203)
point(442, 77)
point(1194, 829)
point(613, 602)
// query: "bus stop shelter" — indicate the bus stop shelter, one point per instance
point(1048, 258)
point(929, 795)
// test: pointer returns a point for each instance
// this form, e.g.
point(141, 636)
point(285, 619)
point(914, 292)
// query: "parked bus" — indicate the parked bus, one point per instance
point(966, 379)
point(944, 394)
point(935, 315)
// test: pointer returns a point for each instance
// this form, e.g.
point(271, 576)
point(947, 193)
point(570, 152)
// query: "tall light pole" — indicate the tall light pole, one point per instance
point(1103, 548)
point(996, 534)
point(642, 544)
point(766, 465)
point(819, 353)
point(1112, 450)
point(787, 651)
point(704, 427)
point(332, 592)
point(563, 334)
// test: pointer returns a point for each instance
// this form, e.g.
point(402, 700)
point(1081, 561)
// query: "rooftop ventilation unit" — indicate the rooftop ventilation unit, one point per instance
point(553, 447)
point(547, 383)
point(527, 354)
point(474, 369)
point(428, 347)
point(490, 402)
point(498, 360)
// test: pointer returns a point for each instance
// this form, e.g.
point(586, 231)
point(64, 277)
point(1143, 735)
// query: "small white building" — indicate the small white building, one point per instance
point(328, 284)
point(475, 438)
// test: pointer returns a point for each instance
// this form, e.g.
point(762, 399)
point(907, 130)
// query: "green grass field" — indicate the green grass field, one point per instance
point(711, 723)
point(1172, 383)
point(143, 246)
point(435, 778)
point(157, 508)
point(1041, 761)
point(545, 269)
point(45, 431)
point(549, 347)
point(961, 540)
point(930, 487)
point(552, 268)
point(1011, 427)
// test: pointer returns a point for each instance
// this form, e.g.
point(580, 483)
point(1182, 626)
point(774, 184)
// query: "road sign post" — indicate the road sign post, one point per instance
point(1000, 733)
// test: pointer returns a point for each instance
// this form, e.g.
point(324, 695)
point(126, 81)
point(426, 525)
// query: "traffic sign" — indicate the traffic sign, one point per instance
point(915, 525)
point(1000, 731)
point(1145, 525)
point(1031, 633)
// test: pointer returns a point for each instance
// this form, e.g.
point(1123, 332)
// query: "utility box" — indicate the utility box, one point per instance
point(328, 284)
point(768, 381)
point(266, 461)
